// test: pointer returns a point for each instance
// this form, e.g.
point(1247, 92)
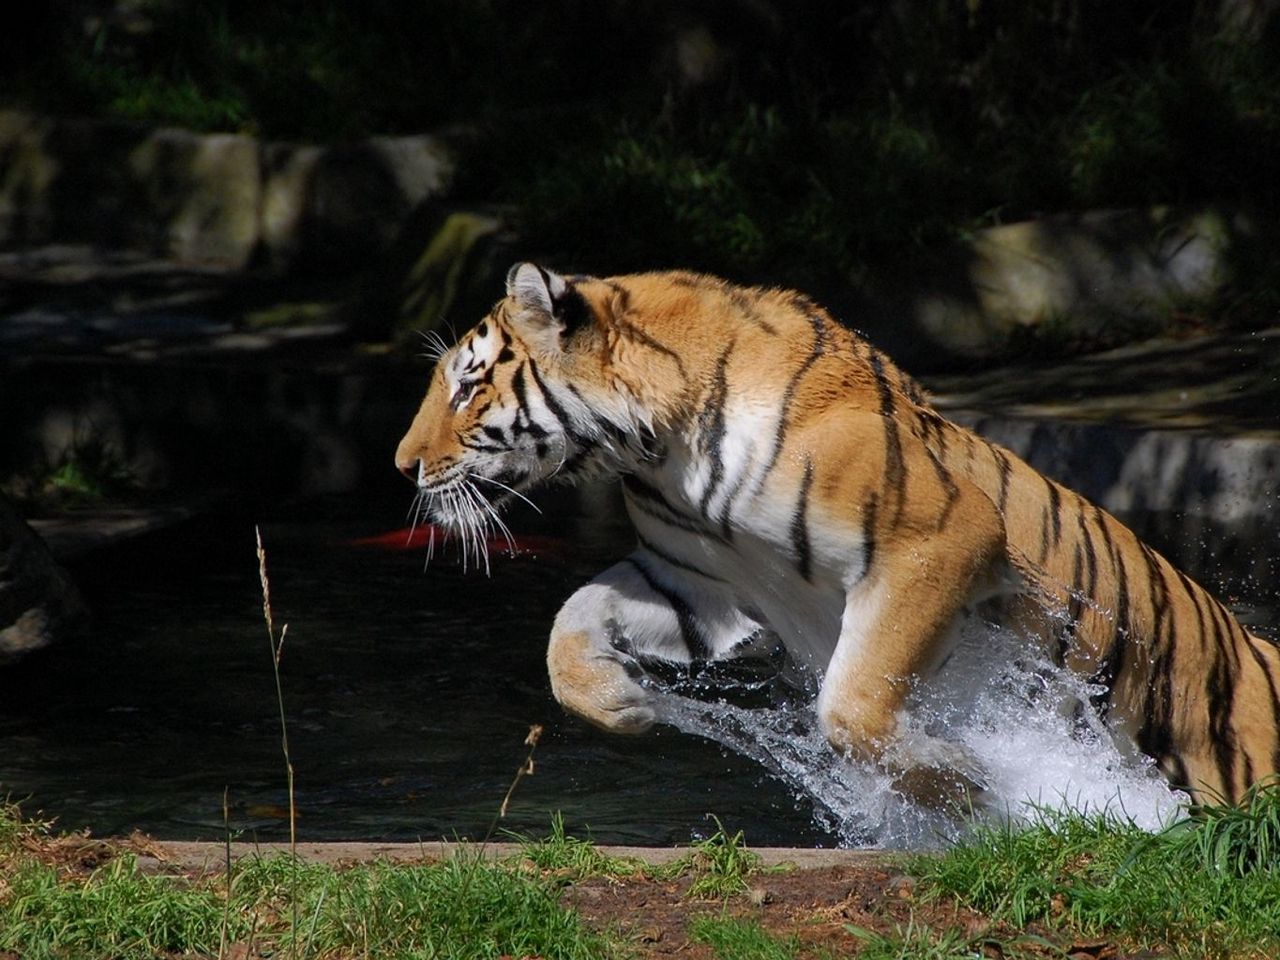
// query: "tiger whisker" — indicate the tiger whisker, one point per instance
point(510, 490)
point(499, 524)
point(481, 523)
point(474, 524)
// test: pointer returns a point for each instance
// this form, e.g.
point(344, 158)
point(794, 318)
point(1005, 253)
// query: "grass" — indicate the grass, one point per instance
point(736, 939)
point(114, 912)
point(1207, 886)
point(89, 473)
point(463, 907)
point(721, 865)
point(1233, 840)
point(919, 942)
point(571, 858)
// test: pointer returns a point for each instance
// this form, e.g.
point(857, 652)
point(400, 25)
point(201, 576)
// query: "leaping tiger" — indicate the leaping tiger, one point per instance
point(789, 484)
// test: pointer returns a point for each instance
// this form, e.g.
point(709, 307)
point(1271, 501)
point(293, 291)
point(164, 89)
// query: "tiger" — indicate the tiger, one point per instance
point(790, 487)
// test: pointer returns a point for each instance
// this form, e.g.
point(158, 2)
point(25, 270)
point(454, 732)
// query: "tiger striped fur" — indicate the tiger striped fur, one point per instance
point(789, 484)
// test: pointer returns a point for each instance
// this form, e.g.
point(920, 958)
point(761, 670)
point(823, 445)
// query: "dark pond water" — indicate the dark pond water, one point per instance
point(409, 693)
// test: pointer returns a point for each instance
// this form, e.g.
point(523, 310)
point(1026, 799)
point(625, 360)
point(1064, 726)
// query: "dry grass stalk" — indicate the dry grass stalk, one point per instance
point(277, 648)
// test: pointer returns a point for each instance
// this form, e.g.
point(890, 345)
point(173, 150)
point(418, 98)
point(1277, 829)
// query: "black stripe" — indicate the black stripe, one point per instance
point(747, 307)
point(1155, 737)
point(584, 443)
point(518, 387)
point(1075, 607)
point(711, 426)
point(1221, 681)
point(1214, 682)
point(481, 447)
point(1055, 502)
point(524, 425)
point(934, 430)
point(800, 524)
point(557, 409)
point(630, 330)
point(1050, 522)
point(949, 485)
point(789, 393)
point(674, 561)
point(690, 630)
point(1226, 626)
point(650, 501)
point(1221, 690)
point(1113, 659)
point(572, 310)
point(1005, 468)
point(1121, 577)
point(1260, 659)
point(1084, 579)
point(524, 422)
point(895, 470)
point(869, 509)
point(1090, 557)
point(882, 382)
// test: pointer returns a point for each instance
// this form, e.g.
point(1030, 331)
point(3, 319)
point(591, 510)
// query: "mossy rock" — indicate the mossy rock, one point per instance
point(445, 270)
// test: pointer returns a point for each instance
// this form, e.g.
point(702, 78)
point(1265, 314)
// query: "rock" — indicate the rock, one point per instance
point(224, 200)
point(340, 208)
point(1076, 278)
point(446, 265)
point(202, 194)
point(163, 192)
point(39, 604)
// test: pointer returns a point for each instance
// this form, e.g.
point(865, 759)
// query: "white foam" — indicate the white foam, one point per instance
point(1026, 723)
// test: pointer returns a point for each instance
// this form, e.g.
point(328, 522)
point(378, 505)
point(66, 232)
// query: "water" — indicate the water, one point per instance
point(409, 693)
point(1014, 717)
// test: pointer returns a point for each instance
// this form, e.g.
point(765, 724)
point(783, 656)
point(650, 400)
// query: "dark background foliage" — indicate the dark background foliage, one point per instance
point(816, 141)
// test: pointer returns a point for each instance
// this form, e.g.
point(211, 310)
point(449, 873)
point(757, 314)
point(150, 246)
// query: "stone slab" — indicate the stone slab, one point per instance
point(211, 857)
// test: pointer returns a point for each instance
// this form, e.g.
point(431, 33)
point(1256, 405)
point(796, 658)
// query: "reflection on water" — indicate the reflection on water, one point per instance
point(409, 694)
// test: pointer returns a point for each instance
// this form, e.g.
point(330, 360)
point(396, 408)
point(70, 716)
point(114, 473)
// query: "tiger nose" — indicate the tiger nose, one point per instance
point(409, 467)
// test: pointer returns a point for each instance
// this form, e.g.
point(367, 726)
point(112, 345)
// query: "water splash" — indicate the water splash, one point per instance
point(1026, 723)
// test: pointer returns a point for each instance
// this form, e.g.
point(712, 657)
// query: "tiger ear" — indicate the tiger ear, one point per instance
point(536, 290)
point(548, 307)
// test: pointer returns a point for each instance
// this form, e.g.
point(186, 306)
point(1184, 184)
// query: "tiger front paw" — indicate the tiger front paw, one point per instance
point(594, 683)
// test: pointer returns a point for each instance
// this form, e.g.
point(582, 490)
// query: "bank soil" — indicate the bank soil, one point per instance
point(824, 911)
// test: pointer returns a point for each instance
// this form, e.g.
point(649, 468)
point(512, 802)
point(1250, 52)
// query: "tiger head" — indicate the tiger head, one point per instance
point(512, 404)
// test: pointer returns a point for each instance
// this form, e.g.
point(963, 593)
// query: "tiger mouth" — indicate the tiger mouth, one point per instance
point(459, 485)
